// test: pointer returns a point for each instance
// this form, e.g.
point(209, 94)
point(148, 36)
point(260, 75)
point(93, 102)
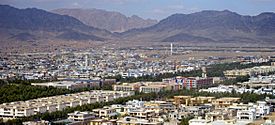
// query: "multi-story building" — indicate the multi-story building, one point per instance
point(160, 106)
point(78, 84)
point(126, 87)
point(225, 102)
point(220, 114)
point(262, 79)
point(251, 111)
point(138, 121)
point(81, 116)
point(143, 113)
point(199, 121)
point(146, 87)
point(194, 82)
point(189, 101)
point(105, 112)
point(246, 114)
point(154, 88)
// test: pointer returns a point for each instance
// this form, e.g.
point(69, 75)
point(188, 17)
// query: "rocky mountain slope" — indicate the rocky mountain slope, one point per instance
point(32, 23)
point(205, 26)
point(112, 21)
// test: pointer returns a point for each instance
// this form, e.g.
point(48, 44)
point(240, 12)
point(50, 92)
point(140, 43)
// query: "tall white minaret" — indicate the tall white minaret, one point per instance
point(86, 61)
point(204, 73)
point(171, 49)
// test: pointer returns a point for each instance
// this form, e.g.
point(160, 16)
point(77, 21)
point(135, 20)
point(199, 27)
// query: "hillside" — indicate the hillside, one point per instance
point(32, 23)
point(111, 21)
point(219, 26)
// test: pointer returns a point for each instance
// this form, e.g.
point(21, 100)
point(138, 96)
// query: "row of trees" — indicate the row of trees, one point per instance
point(185, 121)
point(215, 70)
point(19, 92)
point(2, 82)
point(238, 79)
point(157, 78)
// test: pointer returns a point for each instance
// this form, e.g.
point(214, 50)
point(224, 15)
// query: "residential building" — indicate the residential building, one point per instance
point(81, 116)
point(225, 102)
point(78, 84)
point(138, 121)
point(189, 101)
point(105, 112)
point(194, 82)
point(199, 121)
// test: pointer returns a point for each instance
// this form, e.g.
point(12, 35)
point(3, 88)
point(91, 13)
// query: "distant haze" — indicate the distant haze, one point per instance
point(154, 9)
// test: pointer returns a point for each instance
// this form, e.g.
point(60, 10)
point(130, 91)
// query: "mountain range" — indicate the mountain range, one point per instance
point(33, 24)
point(111, 21)
point(205, 26)
point(214, 26)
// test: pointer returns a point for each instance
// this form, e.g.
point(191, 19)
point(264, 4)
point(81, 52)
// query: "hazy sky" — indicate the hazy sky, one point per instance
point(156, 9)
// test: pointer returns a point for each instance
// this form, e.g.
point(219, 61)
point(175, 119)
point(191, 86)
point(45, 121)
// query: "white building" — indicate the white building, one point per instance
point(252, 111)
point(137, 121)
point(249, 114)
point(81, 116)
point(105, 112)
point(229, 89)
point(199, 121)
point(78, 84)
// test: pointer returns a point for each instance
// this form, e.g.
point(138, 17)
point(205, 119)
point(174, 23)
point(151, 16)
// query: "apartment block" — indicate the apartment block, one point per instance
point(81, 116)
point(192, 101)
point(225, 102)
point(194, 82)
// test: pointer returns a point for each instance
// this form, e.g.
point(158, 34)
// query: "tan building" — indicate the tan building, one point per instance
point(159, 106)
point(144, 114)
point(220, 115)
point(225, 102)
point(146, 87)
point(154, 88)
point(126, 87)
point(189, 101)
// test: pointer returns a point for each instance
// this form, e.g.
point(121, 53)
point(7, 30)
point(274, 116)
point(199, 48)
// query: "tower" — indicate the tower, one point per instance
point(171, 49)
point(203, 72)
point(86, 61)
